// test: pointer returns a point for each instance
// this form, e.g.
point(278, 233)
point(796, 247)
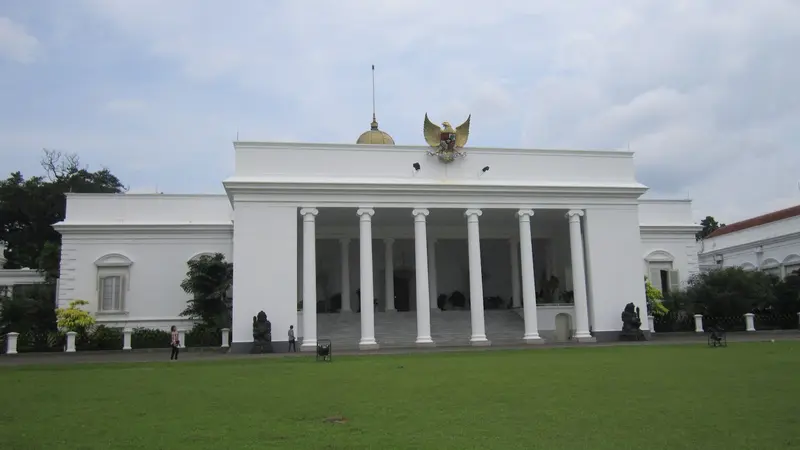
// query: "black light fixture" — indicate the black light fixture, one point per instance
point(416, 166)
point(485, 169)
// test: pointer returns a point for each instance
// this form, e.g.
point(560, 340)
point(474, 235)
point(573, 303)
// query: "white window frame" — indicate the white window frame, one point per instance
point(658, 261)
point(118, 294)
point(118, 266)
point(789, 268)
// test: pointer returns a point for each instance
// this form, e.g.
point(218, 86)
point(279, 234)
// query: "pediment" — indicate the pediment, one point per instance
point(659, 256)
point(113, 260)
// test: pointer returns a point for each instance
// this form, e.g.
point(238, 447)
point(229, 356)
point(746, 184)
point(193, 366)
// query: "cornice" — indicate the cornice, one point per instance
point(424, 149)
point(144, 228)
point(389, 192)
point(670, 228)
point(746, 245)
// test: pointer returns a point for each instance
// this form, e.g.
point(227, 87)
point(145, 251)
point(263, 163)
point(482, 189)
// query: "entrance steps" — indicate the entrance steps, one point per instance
point(399, 329)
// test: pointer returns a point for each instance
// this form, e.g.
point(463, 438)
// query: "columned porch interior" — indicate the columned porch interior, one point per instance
point(447, 233)
point(394, 270)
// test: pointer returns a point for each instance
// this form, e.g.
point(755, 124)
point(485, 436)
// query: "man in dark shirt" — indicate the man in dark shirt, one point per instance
point(292, 345)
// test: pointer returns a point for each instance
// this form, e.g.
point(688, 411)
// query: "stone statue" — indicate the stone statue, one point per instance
point(262, 334)
point(631, 322)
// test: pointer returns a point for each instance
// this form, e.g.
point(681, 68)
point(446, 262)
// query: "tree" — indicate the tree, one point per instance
point(30, 207)
point(731, 291)
point(709, 225)
point(208, 281)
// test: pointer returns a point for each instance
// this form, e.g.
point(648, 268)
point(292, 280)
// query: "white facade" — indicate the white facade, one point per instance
point(758, 243)
point(301, 221)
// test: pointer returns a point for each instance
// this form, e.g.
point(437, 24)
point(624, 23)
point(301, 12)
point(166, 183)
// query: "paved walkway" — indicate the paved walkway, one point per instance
point(141, 356)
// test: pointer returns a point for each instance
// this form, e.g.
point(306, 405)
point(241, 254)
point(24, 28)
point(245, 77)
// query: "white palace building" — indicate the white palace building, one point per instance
point(544, 245)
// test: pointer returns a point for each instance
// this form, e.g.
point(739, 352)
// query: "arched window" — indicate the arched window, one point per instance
point(772, 267)
point(113, 276)
point(660, 271)
point(791, 264)
point(748, 266)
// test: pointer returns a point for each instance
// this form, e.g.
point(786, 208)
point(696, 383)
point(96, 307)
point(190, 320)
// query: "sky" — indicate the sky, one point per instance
point(704, 92)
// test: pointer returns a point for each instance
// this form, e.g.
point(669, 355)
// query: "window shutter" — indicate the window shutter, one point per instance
point(655, 279)
point(117, 293)
point(123, 281)
point(107, 293)
point(674, 281)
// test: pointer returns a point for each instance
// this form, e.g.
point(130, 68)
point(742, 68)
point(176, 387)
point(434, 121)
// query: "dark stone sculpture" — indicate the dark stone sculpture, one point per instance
point(631, 322)
point(262, 334)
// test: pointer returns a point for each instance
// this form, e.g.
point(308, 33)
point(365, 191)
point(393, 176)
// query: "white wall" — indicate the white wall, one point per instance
point(281, 161)
point(778, 243)
point(265, 268)
point(613, 252)
point(153, 298)
point(147, 209)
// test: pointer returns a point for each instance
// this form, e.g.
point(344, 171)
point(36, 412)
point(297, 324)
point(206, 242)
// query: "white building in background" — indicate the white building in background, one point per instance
point(770, 242)
point(15, 277)
point(304, 222)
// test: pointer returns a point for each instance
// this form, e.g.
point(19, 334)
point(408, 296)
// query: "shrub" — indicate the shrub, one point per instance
point(73, 318)
point(150, 338)
point(655, 306)
point(100, 337)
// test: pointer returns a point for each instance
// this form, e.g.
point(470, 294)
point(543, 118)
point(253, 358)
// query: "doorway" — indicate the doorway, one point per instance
point(402, 294)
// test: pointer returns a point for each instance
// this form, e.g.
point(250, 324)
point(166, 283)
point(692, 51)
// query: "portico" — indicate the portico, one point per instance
point(507, 231)
point(558, 225)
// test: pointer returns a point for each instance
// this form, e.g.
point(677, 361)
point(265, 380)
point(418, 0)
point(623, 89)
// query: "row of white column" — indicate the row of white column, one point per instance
point(426, 278)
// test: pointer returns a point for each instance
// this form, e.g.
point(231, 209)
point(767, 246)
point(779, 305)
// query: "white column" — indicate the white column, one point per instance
point(749, 322)
point(309, 279)
point(698, 323)
point(11, 339)
point(367, 341)
point(579, 277)
point(344, 245)
point(126, 338)
point(516, 290)
point(225, 337)
point(528, 281)
point(181, 338)
point(651, 323)
point(388, 273)
point(434, 290)
point(421, 267)
point(71, 341)
point(475, 279)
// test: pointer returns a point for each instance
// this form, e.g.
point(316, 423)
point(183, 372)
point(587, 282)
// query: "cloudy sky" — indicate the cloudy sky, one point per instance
point(705, 92)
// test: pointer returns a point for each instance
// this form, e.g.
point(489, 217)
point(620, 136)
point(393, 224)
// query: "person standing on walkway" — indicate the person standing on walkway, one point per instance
point(174, 343)
point(292, 342)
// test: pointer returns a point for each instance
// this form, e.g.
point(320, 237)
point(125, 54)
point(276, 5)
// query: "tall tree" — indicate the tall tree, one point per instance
point(30, 207)
point(709, 225)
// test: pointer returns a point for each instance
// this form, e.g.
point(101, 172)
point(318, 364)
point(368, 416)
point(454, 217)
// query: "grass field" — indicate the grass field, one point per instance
point(746, 396)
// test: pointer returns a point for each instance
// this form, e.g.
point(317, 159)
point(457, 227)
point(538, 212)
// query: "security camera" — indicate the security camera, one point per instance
point(416, 166)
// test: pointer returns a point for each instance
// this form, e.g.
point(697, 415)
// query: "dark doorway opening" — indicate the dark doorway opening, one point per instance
point(402, 294)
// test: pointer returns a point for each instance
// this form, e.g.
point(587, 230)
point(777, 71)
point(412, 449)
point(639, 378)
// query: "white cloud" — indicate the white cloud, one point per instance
point(15, 43)
point(703, 91)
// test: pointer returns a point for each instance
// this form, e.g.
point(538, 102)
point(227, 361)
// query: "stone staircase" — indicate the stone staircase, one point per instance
point(399, 329)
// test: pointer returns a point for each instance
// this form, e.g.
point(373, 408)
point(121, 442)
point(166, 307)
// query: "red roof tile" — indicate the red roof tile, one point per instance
point(757, 221)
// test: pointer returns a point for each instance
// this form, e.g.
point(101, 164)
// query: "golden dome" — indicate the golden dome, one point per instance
point(375, 136)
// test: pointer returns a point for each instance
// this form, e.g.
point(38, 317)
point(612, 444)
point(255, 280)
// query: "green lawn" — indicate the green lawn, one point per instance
point(746, 396)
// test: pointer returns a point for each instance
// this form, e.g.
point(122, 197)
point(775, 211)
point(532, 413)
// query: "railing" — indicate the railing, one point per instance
point(682, 321)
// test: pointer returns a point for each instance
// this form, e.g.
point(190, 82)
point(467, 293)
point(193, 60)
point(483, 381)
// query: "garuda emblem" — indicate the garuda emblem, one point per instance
point(446, 143)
